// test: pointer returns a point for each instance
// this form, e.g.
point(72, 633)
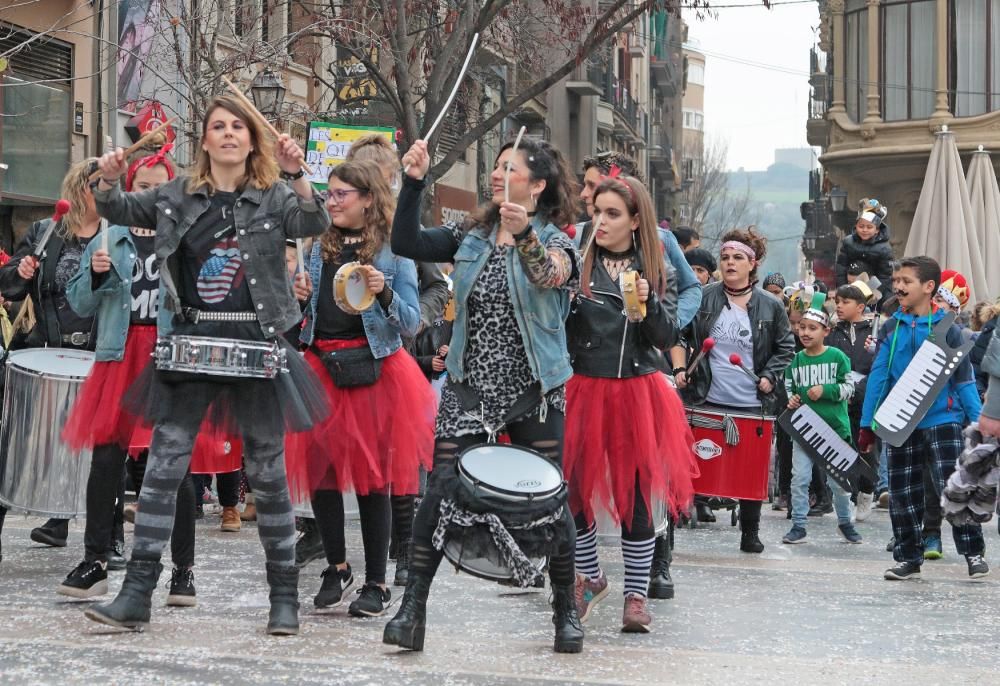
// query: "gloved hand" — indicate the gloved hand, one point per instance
point(866, 440)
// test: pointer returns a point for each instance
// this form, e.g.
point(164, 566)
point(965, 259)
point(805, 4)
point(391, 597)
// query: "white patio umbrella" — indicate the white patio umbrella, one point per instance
point(984, 194)
point(943, 225)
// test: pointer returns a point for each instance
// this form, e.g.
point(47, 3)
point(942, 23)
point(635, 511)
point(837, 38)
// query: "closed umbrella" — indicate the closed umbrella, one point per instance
point(943, 225)
point(984, 193)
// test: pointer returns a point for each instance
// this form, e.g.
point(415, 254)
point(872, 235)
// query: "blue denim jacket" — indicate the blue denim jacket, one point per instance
point(541, 312)
point(688, 286)
point(384, 329)
point(111, 301)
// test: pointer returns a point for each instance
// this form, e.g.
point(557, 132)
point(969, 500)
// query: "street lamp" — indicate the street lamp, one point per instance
point(838, 199)
point(268, 92)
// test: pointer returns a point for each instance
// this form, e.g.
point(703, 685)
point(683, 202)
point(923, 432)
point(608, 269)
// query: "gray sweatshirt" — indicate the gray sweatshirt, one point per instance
point(991, 366)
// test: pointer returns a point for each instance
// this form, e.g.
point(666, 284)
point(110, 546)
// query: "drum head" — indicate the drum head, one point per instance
point(482, 567)
point(510, 469)
point(351, 289)
point(62, 362)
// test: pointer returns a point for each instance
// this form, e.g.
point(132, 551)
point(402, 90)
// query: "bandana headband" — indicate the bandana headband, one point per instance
point(150, 161)
point(740, 247)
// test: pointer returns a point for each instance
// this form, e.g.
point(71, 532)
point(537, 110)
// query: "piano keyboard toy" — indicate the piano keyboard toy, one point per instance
point(825, 447)
point(917, 389)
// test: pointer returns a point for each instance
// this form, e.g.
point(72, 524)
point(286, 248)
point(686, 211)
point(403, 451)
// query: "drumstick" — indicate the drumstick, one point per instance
point(506, 173)
point(260, 117)
point(593, 236)
point(706, 347)
point(139, 143)
point(300, 258)
point(454, 92)
point(737, 361)
point(62, 207)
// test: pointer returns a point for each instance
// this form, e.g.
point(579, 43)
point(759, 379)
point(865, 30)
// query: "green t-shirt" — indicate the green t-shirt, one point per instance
point(829, 369)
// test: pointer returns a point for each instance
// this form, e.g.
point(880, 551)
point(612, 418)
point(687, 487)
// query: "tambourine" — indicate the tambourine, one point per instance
point(635, 311)
point(350, 288)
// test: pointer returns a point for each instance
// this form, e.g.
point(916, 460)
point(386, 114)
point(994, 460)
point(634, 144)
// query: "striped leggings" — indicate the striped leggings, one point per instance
point(169, 457)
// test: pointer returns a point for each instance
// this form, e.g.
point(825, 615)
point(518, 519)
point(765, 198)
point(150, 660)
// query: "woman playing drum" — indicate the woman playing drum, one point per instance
point(744, 321)
point(513, 272)
point(44, 279)
point(220, 237)
point(381, 427)
point(627, 439)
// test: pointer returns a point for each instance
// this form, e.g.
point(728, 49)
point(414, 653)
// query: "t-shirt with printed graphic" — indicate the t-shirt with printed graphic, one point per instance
point(66, 268)
point(731, 386)
point(145, 281)
point(829, 369)
point(211, 273)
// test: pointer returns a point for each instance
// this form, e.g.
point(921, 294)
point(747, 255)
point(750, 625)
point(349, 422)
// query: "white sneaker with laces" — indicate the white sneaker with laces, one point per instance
point(864, 506)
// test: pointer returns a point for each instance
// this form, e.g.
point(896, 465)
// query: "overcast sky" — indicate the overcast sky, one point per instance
point(760, 106)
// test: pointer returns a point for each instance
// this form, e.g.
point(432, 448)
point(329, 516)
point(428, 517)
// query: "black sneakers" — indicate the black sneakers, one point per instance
point(88, 579)
point(977, 566)
point(182, 592)
point(52, 533)
point(903, 571)
point(372, 601)
point(336, 584)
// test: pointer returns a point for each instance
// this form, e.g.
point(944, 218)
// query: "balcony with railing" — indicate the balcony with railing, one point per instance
point(627, 109)
point(820, 99)
point(658, 148)
point(588, 79)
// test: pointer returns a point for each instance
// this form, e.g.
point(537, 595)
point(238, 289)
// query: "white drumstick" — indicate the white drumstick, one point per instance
point(593, 236)
point(506, 173)
point(109, 146)
point(300, 258)
point(454, 92)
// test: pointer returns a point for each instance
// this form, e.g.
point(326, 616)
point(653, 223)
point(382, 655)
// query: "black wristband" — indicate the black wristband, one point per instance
point(678, 370)
point(293, 176)
point(524, 234)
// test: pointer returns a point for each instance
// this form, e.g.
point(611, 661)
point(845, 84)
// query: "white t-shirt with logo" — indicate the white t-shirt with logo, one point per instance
point(731, 386)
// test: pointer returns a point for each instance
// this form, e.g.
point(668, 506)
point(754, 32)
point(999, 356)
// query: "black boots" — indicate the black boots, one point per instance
point(284, 582)
point(402, 565)
point(750, 539)
point(52, 533)
point(130, 609)
point(569, 630)
point(661, 585)
point(407, 628)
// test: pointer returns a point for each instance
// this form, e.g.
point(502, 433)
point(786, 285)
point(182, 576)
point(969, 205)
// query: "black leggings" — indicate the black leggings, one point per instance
point(182, 536)
point(543, 437)
point(328, 508)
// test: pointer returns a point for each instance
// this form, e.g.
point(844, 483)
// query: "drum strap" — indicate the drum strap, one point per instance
point(472, 404)
point(726, 425)
point(524, 573)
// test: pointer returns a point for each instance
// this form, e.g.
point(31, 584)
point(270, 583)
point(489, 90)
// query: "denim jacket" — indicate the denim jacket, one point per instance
point(264, 219)
point(383, 328)
point(111, 300)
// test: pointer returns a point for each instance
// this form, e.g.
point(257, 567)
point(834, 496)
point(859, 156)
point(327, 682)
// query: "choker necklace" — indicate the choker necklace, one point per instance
point(737, 292)
point(612, 255)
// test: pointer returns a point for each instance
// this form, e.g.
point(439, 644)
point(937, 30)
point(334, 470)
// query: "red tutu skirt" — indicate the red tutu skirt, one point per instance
point(376, 436)
point(623, 431)
point(98, 418)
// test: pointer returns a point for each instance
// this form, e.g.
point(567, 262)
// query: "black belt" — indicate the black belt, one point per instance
point(194, 316)
point(78, 338)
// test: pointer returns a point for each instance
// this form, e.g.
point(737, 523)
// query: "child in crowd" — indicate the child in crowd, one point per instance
point(938, 436)
point(850, 336)
point(869, 243)
point(774, 283)
point(702, 263)
point(818, 377)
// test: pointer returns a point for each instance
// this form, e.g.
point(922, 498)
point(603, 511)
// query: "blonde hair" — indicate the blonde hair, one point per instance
point(367, 177)
point(261, 170)
point(373, 147)
point(647, 239)
point(75, 188)
point(983, 312)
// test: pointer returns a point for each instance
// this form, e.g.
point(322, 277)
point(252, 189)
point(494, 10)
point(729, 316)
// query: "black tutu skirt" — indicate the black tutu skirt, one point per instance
point(291, 402)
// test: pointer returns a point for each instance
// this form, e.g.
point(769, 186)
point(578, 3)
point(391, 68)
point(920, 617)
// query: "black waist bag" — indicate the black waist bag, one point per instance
point(352, 367)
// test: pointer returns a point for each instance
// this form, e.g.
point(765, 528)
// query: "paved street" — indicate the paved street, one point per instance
point(813, 614)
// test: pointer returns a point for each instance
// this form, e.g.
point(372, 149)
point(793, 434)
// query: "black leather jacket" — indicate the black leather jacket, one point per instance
point(603, 343)
point(773, 342)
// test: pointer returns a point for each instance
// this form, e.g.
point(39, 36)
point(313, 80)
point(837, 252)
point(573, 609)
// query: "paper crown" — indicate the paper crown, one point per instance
point(815, 311)
point(872, 210)
point(954, 289)
point(869, 287)
point(800, 295)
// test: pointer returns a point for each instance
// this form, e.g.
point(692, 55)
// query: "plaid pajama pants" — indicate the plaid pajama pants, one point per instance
point(936, 448)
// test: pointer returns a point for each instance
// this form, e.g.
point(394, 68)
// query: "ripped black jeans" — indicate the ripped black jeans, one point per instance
point(542, 437)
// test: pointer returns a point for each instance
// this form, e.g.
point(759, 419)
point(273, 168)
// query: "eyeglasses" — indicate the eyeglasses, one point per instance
point(340, 195)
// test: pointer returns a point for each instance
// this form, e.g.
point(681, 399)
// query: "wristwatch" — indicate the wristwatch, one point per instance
point(293, 176)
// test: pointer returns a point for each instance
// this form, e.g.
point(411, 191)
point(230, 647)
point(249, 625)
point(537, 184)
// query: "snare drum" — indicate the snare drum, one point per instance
point(39, 475)
point(634, 310)
point(734, 451)
point(350, 288)
point(518, 486)
point(220, 356)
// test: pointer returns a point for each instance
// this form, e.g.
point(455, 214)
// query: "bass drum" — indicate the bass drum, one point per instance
point(39, 475)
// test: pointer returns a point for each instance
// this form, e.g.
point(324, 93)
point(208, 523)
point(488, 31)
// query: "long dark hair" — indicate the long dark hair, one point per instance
point(557, 203)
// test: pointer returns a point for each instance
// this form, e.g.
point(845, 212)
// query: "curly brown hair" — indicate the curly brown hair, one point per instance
point(367, 177)
point(603, 161)
point(750, 237)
